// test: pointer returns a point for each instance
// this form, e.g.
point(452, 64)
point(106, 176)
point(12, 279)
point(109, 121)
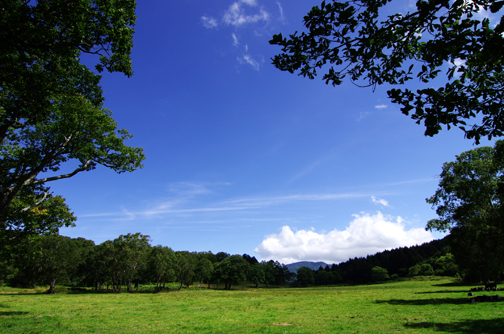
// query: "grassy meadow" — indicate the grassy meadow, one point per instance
point(417, 306)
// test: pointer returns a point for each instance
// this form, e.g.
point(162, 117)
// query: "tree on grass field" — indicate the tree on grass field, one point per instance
point(257, 274)
point(469, 203)
point(130, 254)
point(161, 265)
point(358, 40)
point(232, 270)
point(46, 260)
point(51, 105)
point(379, 274)
point(185, 267)
point(204, 269)
point(305, 276)
point(59, 258)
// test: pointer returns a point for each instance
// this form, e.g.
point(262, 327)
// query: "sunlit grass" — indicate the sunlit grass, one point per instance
point(409, 306)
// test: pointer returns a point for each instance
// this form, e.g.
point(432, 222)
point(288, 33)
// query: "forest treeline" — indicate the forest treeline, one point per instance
point(432, 258)
point(130, 260)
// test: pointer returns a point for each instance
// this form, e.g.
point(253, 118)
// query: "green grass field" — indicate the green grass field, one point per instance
point(409, 306)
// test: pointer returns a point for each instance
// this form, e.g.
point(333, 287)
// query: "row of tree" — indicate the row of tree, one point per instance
point(129, 260)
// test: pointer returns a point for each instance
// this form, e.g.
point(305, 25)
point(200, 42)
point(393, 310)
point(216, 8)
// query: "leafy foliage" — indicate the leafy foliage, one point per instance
point(354, 39)
point(45, 218)
point(469, 205)
point(379, 274)
point(131, 259)
point(233, 270)
point(305, 276)
point(51, 105)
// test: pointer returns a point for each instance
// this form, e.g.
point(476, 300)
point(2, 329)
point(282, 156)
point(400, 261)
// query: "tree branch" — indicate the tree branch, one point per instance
point(36, 203)
point(64, 176)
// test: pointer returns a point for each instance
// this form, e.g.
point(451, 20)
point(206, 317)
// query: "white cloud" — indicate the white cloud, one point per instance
point(381, 106)
point(189, 188)
point(186, 196)
point(236, 16)
point(250, 2)
point(379, 201)
point(363, 115)
point(260, 202)
point(282, 17)
point(209, 22)
point(458, 63)
point(247, 59)
point(366, 235)
point(235, 40)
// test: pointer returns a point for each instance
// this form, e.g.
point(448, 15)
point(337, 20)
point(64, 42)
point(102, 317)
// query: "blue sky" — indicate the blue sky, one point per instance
point(244, 158)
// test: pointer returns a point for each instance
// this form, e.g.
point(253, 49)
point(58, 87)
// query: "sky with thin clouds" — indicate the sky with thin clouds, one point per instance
point(246, 159)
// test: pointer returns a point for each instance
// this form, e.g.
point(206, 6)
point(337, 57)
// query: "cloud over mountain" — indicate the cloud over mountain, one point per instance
point(367, 234)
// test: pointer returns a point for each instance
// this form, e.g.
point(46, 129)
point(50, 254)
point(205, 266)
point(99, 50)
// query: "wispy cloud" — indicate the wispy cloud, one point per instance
point(363, 115)
point(247, 59)
point(379, 201)
point(189, 189)
point(241, 14)
point(381, 106)
point(366, 234)
point(185, 203)
point(236, 14)
point(235, 40)
point(280, 9)
point(209, 22)
point(259, 202)
point(400, 183)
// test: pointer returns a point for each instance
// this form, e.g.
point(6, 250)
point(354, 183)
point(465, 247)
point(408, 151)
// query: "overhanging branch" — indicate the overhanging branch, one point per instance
point(36, 203)
point(64, 176)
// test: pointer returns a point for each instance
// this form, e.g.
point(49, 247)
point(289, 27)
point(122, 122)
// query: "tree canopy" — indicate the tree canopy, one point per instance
point(51, 105)
point(469, 203)
point(439, 38)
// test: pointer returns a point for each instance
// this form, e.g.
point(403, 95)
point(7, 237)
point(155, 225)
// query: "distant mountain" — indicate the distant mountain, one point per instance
point(293, 267)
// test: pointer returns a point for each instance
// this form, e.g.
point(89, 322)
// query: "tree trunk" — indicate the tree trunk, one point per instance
point(51, 287)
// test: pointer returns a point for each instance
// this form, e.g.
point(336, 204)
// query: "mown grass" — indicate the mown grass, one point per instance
point(408, 306)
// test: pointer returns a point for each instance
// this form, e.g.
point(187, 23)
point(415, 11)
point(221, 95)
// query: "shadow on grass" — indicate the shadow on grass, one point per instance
point(466, 326)
point(434, 301)
point(7, 313)
point(443, 291)
point(461, 284)
point(74, 291)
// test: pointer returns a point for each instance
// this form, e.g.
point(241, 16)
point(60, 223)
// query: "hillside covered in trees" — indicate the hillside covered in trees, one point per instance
point(432, 258)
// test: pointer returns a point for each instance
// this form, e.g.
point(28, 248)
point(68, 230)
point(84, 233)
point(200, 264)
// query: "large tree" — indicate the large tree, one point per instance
point(51, 105)
point(232, 270)
point(128, 254)
point(305, 276)
point(469, 203)
point(161, 264)
point(370, 43)
point(46, 260)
